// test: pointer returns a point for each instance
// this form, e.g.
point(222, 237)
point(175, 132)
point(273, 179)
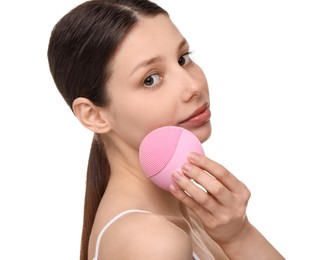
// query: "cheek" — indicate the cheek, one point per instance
point(133, 119)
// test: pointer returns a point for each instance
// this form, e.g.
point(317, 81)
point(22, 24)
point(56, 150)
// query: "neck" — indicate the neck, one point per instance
point(132, 189)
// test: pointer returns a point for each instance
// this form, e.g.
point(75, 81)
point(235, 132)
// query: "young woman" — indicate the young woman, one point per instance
point(124, 69)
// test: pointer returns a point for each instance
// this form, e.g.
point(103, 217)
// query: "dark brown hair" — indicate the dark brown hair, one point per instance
point(81, 47)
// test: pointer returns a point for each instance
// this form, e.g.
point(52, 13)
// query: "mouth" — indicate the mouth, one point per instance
point(199, 117)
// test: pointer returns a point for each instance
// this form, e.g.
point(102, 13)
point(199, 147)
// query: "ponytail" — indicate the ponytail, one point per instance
point(80, 53)
point(98, 173)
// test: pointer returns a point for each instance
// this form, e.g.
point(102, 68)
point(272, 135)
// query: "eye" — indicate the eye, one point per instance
point(185, 59)
point(152, 81)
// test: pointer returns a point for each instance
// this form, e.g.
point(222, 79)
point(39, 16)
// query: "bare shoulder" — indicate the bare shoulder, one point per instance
point(145, 236)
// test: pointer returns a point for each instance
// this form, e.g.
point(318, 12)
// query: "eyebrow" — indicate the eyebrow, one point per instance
point(157, 58)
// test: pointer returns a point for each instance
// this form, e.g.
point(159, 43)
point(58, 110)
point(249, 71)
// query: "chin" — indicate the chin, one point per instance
point(202, 132)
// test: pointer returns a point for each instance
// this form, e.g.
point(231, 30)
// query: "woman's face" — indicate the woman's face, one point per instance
point(155, 83)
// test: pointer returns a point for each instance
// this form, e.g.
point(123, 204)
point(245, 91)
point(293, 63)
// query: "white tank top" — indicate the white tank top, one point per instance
point(98, 241)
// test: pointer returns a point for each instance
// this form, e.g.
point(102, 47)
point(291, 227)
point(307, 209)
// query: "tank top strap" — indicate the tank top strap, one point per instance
point(195, 257)
point(118, 216)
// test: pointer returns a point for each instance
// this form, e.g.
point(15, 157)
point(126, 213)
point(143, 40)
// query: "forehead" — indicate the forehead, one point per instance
point(150, 37)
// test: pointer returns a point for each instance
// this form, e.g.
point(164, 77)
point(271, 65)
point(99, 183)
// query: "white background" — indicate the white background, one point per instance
point(262, 62)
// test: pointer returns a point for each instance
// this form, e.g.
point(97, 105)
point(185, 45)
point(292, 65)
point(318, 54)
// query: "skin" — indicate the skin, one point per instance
point(138, 108)
point(155, 83)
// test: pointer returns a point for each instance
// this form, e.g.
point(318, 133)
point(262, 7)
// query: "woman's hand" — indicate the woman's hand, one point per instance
point(222, 207)
point(221, 204)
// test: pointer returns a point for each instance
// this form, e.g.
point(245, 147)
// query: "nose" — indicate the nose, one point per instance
point(192, 84)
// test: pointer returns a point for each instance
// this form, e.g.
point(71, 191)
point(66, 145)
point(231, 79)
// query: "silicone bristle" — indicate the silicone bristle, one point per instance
point(157, 149)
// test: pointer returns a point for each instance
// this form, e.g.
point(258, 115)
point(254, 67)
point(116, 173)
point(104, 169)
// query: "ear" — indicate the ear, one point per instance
point(90, 115)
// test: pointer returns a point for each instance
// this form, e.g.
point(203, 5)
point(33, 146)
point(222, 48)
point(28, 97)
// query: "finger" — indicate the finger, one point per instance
point(195, 192)
point(190, 203)
point(216, 170)
point(212, 185)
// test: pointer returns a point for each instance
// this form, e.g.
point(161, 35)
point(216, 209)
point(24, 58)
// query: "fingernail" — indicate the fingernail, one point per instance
point(177, 175)
point(187, 167)
point(172, 188)
point(193, 157)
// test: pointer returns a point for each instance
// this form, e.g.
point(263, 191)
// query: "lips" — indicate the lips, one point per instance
point(200, 116)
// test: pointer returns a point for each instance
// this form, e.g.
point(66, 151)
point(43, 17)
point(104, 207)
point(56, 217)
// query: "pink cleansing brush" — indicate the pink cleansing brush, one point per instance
point(165, 150)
